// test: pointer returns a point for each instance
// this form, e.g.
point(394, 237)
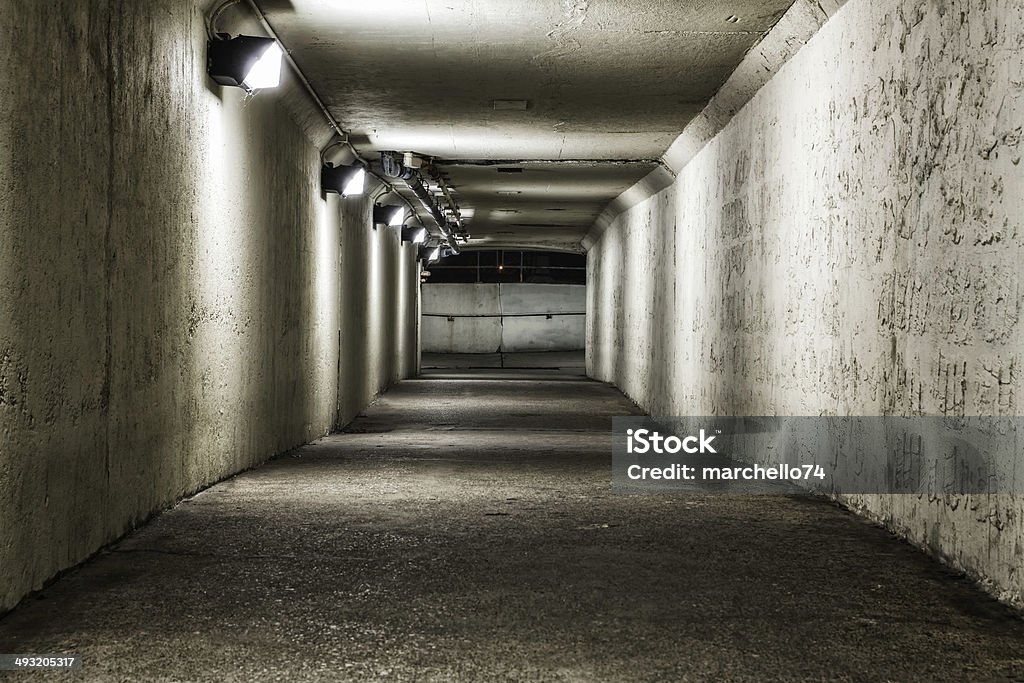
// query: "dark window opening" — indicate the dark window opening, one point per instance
point(537, 267)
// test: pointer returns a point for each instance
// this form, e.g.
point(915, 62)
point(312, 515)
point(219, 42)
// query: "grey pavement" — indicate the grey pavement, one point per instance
point(464, 529)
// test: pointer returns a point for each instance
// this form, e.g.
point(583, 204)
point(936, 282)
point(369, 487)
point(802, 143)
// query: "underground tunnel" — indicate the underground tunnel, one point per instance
point(480, 340)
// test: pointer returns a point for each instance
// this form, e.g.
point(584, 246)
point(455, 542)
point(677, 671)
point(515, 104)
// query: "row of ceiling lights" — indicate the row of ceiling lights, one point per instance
point(350, 180)
point(255, 63)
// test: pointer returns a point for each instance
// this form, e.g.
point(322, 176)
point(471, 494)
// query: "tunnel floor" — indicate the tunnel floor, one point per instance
point(463, 529)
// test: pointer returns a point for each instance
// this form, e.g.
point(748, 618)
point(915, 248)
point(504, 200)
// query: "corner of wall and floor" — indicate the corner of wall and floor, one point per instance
point(850, 244)
point(178, 301)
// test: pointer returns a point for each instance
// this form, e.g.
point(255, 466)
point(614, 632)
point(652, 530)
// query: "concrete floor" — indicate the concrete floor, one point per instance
point(463, 529)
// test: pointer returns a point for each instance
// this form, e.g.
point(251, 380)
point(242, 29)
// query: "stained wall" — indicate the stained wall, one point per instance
point(175, 293)
point(849, 244)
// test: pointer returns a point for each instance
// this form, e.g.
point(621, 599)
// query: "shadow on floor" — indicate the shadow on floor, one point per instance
point(464, 529)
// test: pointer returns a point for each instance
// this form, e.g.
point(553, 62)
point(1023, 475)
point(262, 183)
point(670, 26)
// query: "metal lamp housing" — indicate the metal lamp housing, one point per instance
point(344, 180)
point(248, 62)
point(391, 216)
point(414, 234)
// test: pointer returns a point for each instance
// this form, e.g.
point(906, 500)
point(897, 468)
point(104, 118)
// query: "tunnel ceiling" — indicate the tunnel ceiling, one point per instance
point(610, 82)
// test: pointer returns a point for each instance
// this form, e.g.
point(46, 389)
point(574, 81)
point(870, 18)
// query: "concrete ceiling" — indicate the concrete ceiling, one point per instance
point(603, 81)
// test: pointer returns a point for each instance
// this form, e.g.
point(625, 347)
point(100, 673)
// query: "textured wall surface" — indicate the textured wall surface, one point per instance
point(851, 243)
point(475, 324)
point(380, 292)
point(487, 318)
point(171, 280)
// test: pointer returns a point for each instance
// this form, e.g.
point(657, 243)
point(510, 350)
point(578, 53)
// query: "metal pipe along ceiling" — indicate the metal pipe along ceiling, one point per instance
point(415, 184)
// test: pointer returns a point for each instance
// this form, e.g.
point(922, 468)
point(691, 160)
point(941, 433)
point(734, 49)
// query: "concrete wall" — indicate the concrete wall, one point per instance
point(850, 243)
point(171, 280)
point(380, 300)
point(487, 318)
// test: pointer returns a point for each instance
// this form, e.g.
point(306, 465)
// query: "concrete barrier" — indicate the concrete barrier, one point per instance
point(490, 318)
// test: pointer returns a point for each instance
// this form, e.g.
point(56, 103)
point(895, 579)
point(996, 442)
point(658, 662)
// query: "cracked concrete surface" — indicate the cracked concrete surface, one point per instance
point(463, 529)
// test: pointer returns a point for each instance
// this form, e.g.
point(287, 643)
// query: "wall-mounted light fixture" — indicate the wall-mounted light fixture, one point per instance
point(245, 61)
point(414, 234)
point(348, 181)
point(392, 216)
point(430, 254)
point(248, 62)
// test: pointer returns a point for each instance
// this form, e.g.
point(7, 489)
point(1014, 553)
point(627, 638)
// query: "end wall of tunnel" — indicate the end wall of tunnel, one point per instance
point(849, 244)
point(178, 301)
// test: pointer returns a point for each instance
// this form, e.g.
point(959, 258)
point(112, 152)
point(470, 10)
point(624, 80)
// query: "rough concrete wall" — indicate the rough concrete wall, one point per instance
point(169, 278)
point(380, 310)
point(488, 318)
point(562, 327)
point(799, 24)
point(475, 326)
point(849, 244)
